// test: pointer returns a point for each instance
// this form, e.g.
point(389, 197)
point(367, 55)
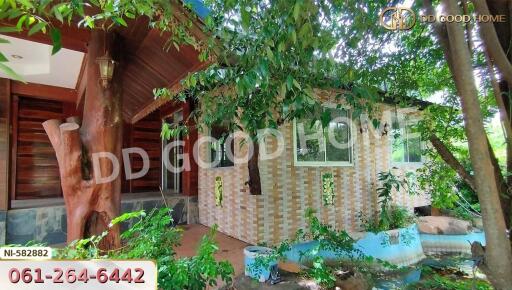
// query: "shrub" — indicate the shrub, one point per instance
point(396, 217)
point(152, 237)
point(390, 216)
point(433, 281)
point(328, 239)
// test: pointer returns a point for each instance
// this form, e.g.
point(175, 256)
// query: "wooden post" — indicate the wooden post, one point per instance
point(91, 205)
point(5, 126)
point(14, 144)
point(190, 177)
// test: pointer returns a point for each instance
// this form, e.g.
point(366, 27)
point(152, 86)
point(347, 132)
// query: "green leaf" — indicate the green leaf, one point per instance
point(119, 21)
point(296, 10)
point(282, 93)
point(36, 28)
point(11, 73)
point(58, 15)
point(56, 40)
point(26, 3)
point(296, 84)
point(270, 54)
point(128, 216)
point(3, 58)
point(20, 22)
point(246, 18)
point(3, 40)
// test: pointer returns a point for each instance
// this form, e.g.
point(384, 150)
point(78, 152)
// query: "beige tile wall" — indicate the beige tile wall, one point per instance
point(289, 190)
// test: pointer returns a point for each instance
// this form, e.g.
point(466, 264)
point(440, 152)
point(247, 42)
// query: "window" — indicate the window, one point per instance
point(317, 146)
point(405, 140)
point(218, 150)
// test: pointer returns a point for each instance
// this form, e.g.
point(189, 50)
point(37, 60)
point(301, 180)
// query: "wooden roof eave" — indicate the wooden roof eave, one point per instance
point(175, 88)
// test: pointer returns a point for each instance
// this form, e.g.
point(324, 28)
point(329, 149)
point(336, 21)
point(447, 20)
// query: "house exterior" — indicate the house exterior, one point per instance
point(31, 202)
point(291, 184)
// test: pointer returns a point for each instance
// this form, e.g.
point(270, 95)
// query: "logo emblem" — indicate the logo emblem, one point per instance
point(397, 18)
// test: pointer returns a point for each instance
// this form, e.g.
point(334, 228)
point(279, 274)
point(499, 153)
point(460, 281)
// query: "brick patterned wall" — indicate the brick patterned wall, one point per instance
point(238, 215)
point(288, 190)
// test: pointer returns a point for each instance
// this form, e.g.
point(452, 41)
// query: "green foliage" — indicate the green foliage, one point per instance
point(396, 217)
point(153, 237)
point(390, 216)
point(327, 239)
point(83, 249)
point(323, 274)
point(272, 56)
point(170, 131)
point(435, 281)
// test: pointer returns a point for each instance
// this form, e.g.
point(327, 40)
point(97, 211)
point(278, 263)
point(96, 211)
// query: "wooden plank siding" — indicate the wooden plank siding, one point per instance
point(146, 135)
point(34, 161)
point(34, 168)
point(5, 124)
point(37, 171)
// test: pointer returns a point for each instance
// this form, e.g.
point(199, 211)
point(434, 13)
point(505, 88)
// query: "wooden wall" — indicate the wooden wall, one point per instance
point(146, 135)
point(37, 171)
point(33, 158)
point(5, 105)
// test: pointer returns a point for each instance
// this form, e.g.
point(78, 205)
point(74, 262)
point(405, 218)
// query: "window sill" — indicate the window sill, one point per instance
point(407, 164)
point(322, 164)
point(221, 168)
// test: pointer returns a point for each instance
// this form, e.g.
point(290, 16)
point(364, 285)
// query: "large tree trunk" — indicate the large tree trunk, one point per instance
point(254, 171)
point(498, 255)
point(90, 205)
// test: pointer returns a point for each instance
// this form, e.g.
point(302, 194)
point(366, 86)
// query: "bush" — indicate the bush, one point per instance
point(152, 237)
point(390, 216)
point(396, 217)
point(328, 239)
point(431, 280)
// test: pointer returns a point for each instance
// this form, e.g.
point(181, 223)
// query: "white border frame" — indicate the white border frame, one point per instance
point(350, 163)
point(163, 171)
point(209, 155)
point(402, 164)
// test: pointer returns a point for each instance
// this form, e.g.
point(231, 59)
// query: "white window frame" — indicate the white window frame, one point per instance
point(406, 120)
point(209, 155)
point(350, 163)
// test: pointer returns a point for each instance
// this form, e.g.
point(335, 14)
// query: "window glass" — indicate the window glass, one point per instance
point(406, 142)
point(322, 150)
point(398, 141)
point(218, 150)
point(311, 151)
point(338, 137)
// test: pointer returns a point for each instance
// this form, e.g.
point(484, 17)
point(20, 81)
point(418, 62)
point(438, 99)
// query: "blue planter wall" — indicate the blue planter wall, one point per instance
point(401, 247)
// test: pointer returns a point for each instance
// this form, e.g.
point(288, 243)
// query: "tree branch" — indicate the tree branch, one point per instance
point(70, 163)
point(504, 116)
point(468, 25)
point(441, 33)
point(52, 130)
point(492, 43)
point(450, 159)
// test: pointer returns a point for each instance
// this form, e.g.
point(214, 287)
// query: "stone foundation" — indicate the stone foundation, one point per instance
point(48, 224)
point(3, 218)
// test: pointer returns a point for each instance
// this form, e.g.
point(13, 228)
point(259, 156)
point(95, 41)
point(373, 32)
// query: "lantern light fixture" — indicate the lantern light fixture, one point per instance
point(106, 65)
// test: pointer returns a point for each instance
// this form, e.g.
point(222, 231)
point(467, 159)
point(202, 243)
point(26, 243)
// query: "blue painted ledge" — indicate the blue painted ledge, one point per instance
point(437, 244)
point(401, 247)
